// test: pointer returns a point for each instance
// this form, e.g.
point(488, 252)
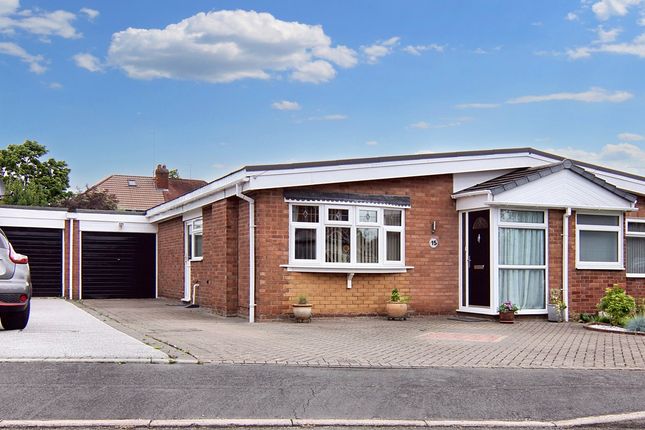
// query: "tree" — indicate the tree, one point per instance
point(91, 198)
point(31, 180)
point(173, 174)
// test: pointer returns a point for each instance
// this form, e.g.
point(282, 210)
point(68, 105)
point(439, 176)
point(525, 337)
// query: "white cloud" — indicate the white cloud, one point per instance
point(571, 17)
point(371, 143)
point(419, 49)
point(636, 47)
point(332, 117)
point(91, 14)
point(88, 62)
point(35, 62)
point(605, 9)
point(480, 51)
point(630, 137)
point(42, 23)
point(8, 6)
point(593, 95)
point(228, 45)
point(375, 52)
point(606, 36)
point(55, 85)
point(621, 156)
point(285, 105)
point(578, 53)
point(477, 106)
point(422, 125)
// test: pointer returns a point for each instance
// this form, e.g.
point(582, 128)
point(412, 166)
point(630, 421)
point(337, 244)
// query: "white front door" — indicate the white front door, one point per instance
point(193, 236)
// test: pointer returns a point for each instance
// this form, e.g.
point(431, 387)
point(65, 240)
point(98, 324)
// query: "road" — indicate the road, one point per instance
point(113, 391)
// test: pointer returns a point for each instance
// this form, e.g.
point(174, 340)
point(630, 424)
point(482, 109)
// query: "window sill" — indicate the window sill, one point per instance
point(599, 266)
point(192, 260)
point(345, 269)
point(636, 275)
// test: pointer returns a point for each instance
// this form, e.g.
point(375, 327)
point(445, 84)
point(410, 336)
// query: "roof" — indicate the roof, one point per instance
point(145, 194)
point(320, 196)
point(520, 177)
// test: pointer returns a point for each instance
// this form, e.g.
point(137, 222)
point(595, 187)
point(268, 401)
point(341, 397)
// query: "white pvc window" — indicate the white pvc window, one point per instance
point(194, 239)
point(635, 248)
point(522, 258)
point(343, 236)
point(599, 243)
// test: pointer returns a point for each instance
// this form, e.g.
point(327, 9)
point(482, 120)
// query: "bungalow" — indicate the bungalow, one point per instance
point(460, 231)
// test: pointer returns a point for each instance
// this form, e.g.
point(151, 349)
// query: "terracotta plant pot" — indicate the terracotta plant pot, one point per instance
point(507, 317)
point(302, 312)
point(397, 310)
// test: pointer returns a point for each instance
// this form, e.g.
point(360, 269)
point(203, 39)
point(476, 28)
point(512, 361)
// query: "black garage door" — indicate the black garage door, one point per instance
point(44, 247)
point(118, 265)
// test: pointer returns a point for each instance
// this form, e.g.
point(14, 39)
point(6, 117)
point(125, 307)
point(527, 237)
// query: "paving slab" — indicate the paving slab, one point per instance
point(59, 331)
point(372, 342)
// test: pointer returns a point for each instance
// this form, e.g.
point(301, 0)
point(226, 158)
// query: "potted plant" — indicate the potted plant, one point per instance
point(302, 309)
point(556, 306)
point(397, 306)
point(507, 312)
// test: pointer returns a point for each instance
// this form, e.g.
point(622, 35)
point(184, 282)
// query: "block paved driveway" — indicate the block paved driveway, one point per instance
point(370, 342)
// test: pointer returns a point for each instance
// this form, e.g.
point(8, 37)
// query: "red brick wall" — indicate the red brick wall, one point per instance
point(170, 244)
point(243, 259)
point(432, 284)
point(555, 250)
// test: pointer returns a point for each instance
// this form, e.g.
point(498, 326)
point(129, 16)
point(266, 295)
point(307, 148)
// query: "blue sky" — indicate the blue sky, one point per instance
point(207, 86)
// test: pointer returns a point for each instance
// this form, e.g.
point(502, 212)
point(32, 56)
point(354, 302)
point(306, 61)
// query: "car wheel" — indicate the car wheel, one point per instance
point(15, 320)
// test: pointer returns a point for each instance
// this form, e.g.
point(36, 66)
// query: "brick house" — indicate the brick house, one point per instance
point(457, 231)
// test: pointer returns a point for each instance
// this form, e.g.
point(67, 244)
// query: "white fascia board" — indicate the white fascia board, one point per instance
point(390, 170)
point(470, 201)
point(195, 213)
point(626, 183)
point(217, 190)
point(511, 204)
point(118, 226)
point(39, 218)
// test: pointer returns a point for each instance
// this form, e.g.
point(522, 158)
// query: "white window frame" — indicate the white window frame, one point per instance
point(601, 265)
point(544, 226)
point(635, 234)
point(190, 226)
point(353, 223)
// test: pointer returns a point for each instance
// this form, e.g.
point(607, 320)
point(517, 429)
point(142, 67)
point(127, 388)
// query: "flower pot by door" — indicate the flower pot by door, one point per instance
point(507, 317)
point(302, 313)
point(397, 310)
point(554, 314)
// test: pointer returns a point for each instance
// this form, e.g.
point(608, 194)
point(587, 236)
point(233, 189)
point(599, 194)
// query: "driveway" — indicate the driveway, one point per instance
point(370, 342)
point(60, 331)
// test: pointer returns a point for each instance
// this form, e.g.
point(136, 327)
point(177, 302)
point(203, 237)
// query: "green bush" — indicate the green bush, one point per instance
point(585, 317)
point(617, 304)
point(636, 323)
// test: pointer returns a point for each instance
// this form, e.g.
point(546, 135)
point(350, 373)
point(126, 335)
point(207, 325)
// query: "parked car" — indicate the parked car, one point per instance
point(15, 287)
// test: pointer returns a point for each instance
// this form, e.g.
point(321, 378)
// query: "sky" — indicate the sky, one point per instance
point(208, 86)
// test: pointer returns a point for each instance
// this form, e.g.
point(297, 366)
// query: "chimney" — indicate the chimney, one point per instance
point(161, 177)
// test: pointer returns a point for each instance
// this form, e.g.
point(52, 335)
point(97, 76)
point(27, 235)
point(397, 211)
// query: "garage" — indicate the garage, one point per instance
point(117, 265)
point(44, 247)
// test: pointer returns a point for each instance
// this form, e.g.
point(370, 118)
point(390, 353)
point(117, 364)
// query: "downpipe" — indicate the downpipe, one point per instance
point(565, 261)
point(193, 303)
point(251, 202)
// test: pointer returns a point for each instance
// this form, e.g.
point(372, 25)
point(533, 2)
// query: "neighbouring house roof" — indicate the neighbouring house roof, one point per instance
point(139, 193)
point(521, 177)
point(301, 195)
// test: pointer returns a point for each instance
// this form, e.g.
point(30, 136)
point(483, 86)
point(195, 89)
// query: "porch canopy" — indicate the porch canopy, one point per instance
point(557, 186)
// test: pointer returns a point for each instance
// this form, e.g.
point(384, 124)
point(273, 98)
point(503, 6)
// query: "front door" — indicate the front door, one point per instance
point(478, 258)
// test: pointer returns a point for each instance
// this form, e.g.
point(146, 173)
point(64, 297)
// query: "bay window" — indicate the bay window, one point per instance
point(636, 248)
point(599, 242)
point(522, 258)
point(346, 236)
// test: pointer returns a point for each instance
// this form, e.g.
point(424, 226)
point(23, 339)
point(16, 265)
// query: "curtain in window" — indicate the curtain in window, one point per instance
point(393, 245)
point(305, 244)
point(523, 287)
point(337, 248)
point(536, 217)
point(367, 245)
point(636, 255)
point(521, 247)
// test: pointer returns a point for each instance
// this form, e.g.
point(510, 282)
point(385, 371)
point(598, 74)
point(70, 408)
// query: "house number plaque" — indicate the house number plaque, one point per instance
point(434, 242)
